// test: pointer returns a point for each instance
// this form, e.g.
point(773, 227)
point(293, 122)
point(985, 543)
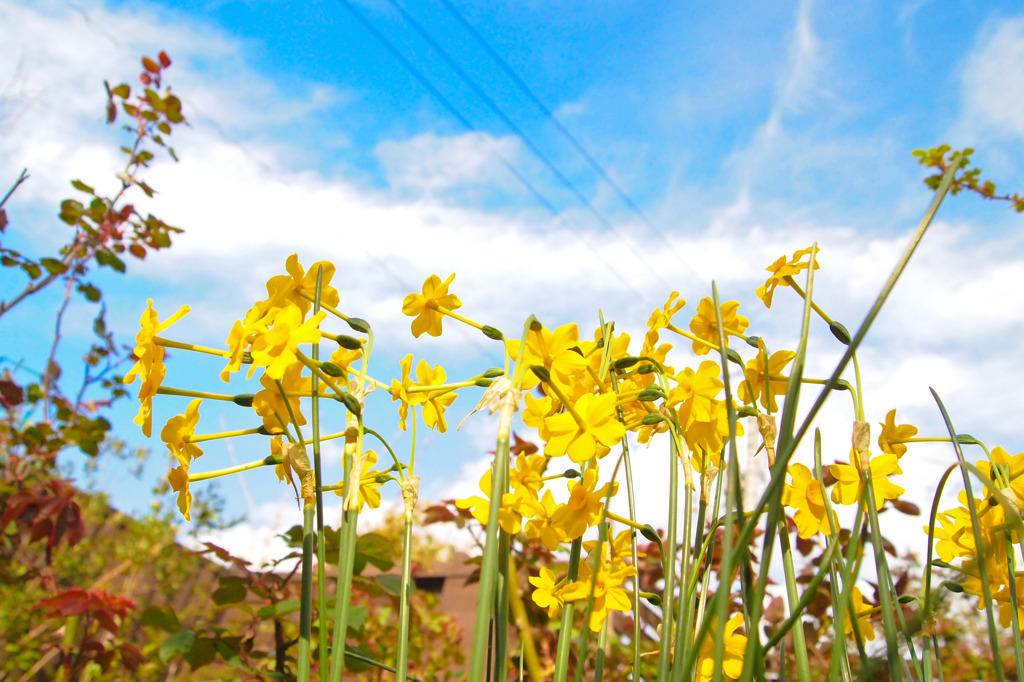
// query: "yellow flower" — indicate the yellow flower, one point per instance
point(781, 269)
point(557, 351)
point(732, 659)
point(269, 404)
point(584, 506)
point(762, 380)
point(509, 515)
point(804, 495)
point(369, 483)
point(600, 429)
point(150, 363)
point(695, 393)
point(540, 526)
point(662, 317)
point(239, 338)
point(400, 391)
point(705, 326)
point(849, 483)
point(177, 432)
point(275, 347)
point(527, 474)
point(607, 589)
point(288, 289)
point(178, 478)
point(434, 403)
point(863, 617)
point(892, 436)
point(423, 306)
point(547, 594)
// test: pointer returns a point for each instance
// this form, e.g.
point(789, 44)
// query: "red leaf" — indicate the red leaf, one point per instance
point(164, 59)
point(150, 65)
point(131, 657)
point(145, 78)
point(106, 620)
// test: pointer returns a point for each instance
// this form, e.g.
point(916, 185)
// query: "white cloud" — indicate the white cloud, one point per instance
point(430, 163)
point(993, 80)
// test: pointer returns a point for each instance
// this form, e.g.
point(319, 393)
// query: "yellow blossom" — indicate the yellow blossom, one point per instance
point(434, 403)
point(662, 317)
point(704, 325)
point(547, 594)
point(599, 430)
point(781, 269)
point(849, 483)
point(892, 436)
point(178, 478)
point(732, 660)
point(557, 351)
point(424, 306)
point(150, 363)
point(369, 483)
point(863, 616)
point(761, 382)
point(275, 347)
point(270, 405)
point(804, 495)
point(177, 432)
point(583, 509)
point(289, 289)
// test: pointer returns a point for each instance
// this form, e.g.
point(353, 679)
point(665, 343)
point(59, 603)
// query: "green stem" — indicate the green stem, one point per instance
point(321, 558)
point(669, 562)
point(306, 604)
point(402, 657)
point(565, 625)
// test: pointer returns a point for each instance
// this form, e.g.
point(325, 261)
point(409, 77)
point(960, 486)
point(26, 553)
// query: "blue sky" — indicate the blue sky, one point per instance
point(741, 131)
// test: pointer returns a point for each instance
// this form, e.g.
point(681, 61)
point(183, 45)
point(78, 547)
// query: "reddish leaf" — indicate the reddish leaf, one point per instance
point(145, 78)
point(150, 65)
point(138, 251)
point(164, 59)
point(131, 657)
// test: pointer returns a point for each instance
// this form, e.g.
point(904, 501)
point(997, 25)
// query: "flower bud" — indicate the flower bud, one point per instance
point(359, 324)
point(349, 342)
point(331, 369)
point(840, 332)
point(624, 363)
point(651, 394)
point(492, 333)
point(243, 399)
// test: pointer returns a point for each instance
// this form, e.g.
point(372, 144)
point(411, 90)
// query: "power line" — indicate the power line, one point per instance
point(547, 112)
point(577, 145)
point(497, 110)
point(493, 106)
point(447, 104)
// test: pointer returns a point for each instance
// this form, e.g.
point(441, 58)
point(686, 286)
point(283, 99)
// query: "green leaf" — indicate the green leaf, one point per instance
point(53, 266)
point(71, 211)
point(357, 615)
point(32, 269)
point(161, 617)
point(177, 644)
point(282, 608)
point(110, 260)
point(81, 186)
point(374, 549)
point(202, 653)
point(391, 584)
point(231, 591)
point(123, 91)
point(90, 292)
